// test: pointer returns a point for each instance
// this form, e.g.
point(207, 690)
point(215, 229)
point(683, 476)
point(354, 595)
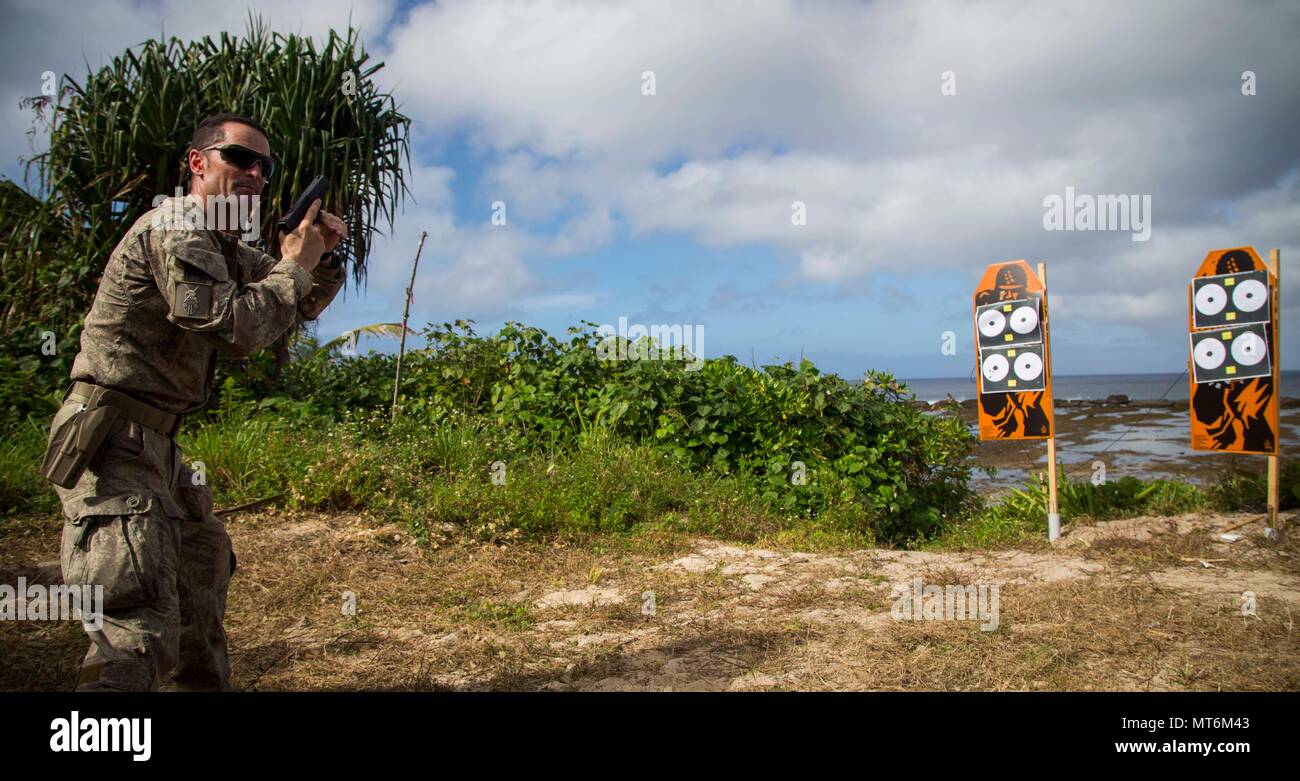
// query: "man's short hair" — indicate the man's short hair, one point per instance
point(210, 132)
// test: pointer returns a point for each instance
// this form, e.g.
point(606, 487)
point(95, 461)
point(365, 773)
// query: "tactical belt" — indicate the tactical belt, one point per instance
point(96, 396)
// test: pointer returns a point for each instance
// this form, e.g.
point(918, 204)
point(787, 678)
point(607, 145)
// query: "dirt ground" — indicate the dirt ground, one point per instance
point(1147, 603)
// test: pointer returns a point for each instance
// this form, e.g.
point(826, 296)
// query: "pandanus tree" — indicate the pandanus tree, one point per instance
point(117, 138)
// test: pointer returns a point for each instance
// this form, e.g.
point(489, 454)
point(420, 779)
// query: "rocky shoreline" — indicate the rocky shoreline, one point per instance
point(1116, 400)
point(1146, 439)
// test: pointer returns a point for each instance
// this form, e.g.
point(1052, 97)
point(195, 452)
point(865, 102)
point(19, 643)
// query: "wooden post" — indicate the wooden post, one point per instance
point(1274, 503)
point(406, 313)
point(1053, 514)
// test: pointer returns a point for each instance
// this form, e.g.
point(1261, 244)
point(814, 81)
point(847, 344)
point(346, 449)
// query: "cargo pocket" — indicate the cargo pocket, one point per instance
point(114, 542)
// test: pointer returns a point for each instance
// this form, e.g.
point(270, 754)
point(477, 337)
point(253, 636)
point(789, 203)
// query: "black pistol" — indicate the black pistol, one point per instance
point(317, 189)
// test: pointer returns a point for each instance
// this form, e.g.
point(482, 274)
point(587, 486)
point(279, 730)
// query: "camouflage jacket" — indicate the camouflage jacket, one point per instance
point(173, 295)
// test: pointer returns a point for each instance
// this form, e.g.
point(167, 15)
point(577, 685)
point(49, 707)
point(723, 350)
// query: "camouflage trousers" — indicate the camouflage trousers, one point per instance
point(137, 524)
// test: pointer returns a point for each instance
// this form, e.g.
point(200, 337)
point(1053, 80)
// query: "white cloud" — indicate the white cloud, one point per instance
point(835, 104)
point(838, 105)
point(487, 272)
point(559, 301)
point(461, 266)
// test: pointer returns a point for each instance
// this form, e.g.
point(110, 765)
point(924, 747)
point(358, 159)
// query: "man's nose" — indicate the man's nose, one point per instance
point(258, 176)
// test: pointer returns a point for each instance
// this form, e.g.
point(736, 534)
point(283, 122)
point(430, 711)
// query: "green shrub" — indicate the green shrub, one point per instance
point(1125, 496)
point(1242, 491)
point(32, 383)
point(23, 489)
point(794, 442)
point(807, 444)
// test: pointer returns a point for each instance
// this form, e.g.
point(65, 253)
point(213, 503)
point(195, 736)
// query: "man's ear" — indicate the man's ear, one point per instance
point(195, 164)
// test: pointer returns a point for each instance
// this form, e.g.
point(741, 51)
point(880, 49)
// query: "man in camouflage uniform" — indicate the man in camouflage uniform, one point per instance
point(174, 292)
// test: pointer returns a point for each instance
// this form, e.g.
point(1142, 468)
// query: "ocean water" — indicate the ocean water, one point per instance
point(1086, 386)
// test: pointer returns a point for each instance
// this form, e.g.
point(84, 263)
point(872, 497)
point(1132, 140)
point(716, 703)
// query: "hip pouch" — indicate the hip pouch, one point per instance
point(75, 442)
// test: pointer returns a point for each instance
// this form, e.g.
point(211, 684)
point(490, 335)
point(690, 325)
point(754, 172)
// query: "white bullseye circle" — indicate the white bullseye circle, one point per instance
point(1250, 295)
point(1248, 349)
point(1024, 320)
point(1029, 366)
point(1209, 353)
point(1211, 299)
point(992, 322)
point(996, 367)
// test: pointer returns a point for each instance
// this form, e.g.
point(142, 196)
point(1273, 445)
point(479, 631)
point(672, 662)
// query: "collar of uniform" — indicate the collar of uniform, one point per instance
point(189, 211)
point(184, 211)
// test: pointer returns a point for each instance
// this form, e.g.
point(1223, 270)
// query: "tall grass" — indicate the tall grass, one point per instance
point(22, 487)
point(1021, 515)
point(436, 476)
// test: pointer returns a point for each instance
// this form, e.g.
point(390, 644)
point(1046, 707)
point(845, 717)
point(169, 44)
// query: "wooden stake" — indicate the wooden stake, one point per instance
point(1237, 525)
point(1053, 514)
point(254, 505)
point(1274, 503)
point(406, 313)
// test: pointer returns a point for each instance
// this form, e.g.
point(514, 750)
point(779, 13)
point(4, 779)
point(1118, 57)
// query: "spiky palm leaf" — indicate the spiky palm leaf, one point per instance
point(374, 329)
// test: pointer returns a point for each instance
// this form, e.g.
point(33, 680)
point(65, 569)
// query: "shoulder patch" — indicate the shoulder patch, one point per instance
point(192, 300)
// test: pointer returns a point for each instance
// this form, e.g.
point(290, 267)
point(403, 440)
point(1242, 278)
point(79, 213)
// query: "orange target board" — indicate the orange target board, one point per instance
point(1232, 320)
point(1013, 362)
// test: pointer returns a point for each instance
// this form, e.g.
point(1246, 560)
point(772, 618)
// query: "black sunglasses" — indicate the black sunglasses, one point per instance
point(244, 157)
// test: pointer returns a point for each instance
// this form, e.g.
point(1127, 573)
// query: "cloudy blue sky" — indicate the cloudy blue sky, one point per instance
point(676, 207)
